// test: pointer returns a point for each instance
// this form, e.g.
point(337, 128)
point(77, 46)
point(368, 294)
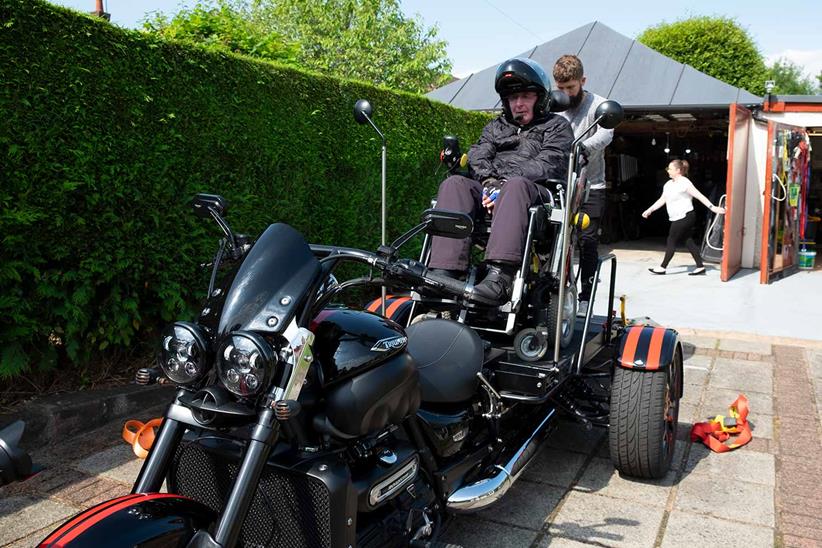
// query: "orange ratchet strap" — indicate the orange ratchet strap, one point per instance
point(140, 436)
point(715, 432)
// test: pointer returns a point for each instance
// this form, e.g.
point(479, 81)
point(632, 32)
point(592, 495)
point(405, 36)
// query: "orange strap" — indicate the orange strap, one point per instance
point(715, 432)
point(140, 436)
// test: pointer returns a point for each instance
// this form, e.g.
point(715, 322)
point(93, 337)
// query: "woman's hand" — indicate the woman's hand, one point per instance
point(646, 213)
point(718, 210)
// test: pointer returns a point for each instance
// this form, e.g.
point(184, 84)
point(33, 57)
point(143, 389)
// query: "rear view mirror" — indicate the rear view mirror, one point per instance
point(362, 111)
point(558, 101)
point(202, 203)
point(448, 224)
point(609, 114)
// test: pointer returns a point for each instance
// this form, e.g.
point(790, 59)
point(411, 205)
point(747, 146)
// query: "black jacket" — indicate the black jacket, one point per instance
point(537, 152)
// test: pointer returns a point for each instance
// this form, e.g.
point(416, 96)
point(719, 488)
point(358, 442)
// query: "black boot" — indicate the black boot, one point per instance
point(495, 289)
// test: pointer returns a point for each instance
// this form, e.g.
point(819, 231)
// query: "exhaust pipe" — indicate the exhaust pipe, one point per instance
point(488, 490)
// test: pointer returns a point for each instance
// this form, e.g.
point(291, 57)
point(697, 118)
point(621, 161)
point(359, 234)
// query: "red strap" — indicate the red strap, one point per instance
point(140, 436)
point(714, 433)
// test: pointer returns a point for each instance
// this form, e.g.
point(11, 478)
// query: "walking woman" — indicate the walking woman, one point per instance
point(677, 196)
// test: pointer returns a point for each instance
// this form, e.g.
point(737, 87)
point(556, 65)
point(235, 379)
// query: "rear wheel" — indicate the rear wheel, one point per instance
point(644, 416)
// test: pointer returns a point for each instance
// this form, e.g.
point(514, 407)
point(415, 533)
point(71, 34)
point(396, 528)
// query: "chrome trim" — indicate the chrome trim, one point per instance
point(393, 483)
point(300, 357)
point(488, 490)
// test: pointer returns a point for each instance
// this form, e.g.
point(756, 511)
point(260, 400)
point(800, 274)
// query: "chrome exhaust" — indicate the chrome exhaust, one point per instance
point(488, 490)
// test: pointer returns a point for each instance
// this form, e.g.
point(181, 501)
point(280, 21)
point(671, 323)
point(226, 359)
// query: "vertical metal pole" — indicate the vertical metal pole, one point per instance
point(382, 219)
point(566, 232)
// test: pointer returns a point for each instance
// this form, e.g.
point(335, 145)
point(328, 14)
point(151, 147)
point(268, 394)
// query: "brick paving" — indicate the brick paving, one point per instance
point(798, 449)
point(764, 494)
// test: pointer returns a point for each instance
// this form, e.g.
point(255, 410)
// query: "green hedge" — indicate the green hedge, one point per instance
point(106, 134)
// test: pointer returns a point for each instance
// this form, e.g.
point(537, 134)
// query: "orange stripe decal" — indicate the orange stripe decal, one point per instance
point(655, 348)
point(389, 311)
point(375, 304)
point(629, 350)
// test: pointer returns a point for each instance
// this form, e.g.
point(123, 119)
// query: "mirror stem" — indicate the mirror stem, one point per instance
point(382, 202)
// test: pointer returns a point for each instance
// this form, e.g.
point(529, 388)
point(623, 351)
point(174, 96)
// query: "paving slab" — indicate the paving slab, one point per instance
point(717, 401)
point(736, 500)
point(735, 465)
point(525, 505)
point(39, 514)
point(694, 375)
point(761, 426)
point(593, 518)
point(559, 542)
point(117, 463)
point(687, 529)
point(472, 532)
point(742, 375)
point(554, 466)
point(815, 361)
point(736, 345)
point(700, 342)
point(601, 477)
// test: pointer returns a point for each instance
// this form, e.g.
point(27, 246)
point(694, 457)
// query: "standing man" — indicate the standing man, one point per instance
point(570, 79)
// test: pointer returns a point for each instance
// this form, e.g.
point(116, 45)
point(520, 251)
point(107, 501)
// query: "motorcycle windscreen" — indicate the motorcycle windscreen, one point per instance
point(271, 283)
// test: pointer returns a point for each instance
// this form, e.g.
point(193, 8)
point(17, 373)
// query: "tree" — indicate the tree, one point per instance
point(223, 26)
point(368, 40)
point(789, 79)
point(819, 79)
point(717, 46)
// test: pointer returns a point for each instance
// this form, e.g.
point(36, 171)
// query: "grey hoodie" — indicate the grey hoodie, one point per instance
point(581, 117)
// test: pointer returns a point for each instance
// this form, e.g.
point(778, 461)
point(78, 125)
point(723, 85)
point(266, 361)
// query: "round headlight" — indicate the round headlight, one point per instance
point(245, 362)
point(184, 356)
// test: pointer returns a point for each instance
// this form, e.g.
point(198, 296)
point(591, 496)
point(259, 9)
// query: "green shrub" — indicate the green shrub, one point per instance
point(717, 46)
point(106, 134)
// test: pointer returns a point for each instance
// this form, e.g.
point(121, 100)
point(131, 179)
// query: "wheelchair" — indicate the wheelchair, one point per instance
point(532, 313)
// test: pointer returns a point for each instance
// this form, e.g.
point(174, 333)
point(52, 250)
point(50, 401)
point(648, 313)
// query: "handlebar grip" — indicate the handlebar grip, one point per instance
point(457, 287)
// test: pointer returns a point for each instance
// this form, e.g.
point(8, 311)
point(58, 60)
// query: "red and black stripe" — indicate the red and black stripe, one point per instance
point(647, 347)
point(84, 521)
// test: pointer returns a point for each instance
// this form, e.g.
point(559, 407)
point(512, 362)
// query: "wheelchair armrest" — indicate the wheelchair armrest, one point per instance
point(551, 184)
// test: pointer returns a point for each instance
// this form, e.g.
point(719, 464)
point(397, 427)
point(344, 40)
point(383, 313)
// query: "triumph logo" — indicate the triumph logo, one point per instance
point(391, 343)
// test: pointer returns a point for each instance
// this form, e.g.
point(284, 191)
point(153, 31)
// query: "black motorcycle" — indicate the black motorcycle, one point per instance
point(299, 422)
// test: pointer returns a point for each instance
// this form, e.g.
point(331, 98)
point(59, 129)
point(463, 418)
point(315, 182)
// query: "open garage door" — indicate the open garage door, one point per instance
point(738, 129)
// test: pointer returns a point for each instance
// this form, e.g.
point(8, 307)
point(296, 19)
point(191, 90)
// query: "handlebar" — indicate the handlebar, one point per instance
point(402, 270)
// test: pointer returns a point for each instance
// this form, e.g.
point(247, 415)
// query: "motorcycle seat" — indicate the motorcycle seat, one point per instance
point(449, 355)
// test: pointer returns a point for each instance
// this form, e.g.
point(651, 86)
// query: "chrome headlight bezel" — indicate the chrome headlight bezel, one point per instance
point(245, 363)
point(184, 355)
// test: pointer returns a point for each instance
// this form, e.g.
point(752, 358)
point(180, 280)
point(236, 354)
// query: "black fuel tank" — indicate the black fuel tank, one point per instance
point(350, 342)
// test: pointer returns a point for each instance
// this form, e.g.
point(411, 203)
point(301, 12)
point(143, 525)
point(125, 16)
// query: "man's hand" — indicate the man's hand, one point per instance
point(490, 189)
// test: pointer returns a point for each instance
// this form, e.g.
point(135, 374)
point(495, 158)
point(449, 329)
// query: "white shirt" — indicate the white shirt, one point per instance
point(678, 201)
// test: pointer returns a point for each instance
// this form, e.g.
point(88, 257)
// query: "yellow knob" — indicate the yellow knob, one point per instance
point(464, 160)
point(584, 222)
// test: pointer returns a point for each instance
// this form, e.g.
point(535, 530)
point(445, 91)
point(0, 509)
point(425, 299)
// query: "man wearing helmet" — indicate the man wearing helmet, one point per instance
point(522, 146)
point(570, 78)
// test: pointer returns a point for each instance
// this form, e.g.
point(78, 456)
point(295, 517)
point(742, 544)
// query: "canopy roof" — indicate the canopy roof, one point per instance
point(616, 67)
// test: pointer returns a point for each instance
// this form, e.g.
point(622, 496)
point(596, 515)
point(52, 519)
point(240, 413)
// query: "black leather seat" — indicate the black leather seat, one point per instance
point(449, 355)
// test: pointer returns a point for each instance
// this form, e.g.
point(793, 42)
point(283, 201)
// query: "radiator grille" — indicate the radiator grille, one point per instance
point(290, 510)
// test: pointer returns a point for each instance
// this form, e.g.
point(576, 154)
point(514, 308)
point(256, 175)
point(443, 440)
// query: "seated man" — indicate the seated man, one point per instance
point(526, 143)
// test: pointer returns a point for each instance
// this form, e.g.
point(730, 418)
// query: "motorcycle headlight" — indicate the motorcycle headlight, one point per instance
point(245, 362)
point(184, 356)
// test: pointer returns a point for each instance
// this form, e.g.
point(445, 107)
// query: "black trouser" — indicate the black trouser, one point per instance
point(682, 229)
point(509, 225)
point(589, 240)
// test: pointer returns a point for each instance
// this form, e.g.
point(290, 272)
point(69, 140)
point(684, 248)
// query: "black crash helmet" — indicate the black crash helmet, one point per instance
point(521, 74)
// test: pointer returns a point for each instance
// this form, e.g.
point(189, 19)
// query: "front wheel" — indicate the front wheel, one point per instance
point(644, 416)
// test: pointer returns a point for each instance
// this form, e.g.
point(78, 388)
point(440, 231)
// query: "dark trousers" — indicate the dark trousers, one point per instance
point(509, 225)
point(682, 229)
point(589, 240)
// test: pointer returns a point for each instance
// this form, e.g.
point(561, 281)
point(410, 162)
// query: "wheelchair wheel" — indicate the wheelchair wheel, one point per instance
point(529, 347)
point(569, 316)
